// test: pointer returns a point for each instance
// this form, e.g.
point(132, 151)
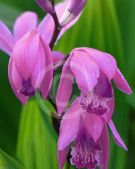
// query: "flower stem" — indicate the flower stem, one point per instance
point(56, 30)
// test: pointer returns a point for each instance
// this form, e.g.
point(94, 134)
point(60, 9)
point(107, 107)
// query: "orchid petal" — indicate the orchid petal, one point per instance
point(15, 81)
point(108, 114)
point(104, 60)
point(57, 56)
point(104, 142)
point(39, 69)
point(62, 155)
point(6, 39)
point(69, 125)
point(47, 26)
point(25, 53)
point(121, 82)
point(94, 124)
point(85, 70)
point(116, 135)
point(47, 81)
point(24, 23)
point(103, 87)
point(65, 87)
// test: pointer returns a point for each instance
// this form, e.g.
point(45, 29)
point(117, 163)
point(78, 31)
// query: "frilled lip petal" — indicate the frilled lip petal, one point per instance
point(94, 124)
point(104, 60)
point(13, 76)
point(24, 23)
point(69, 125)
point(116, 136)
point(121, 82)
point(85, 71)
point(6, 39)
point(104, 142)
point(65, 88)
point(62, 155)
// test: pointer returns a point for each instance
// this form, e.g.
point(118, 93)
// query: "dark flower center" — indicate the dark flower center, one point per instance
point(92, 103)
point(27, 88)
point(85, 154)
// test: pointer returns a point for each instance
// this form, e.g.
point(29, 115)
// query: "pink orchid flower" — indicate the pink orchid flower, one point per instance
point(86, 128)
point(73, 9)
point(90, 68)
point(76, 129)
point(84, 123)
point(30, 67)
point(28, 45)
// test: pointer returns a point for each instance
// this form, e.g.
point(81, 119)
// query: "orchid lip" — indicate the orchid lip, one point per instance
point(93, 104)
point(27, 88)
point(85, 153)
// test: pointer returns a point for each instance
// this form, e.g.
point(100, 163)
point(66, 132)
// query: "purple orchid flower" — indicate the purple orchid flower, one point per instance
point(30, 67)
point(75, 128)
point(26, 70)
point(89, 67)
point(73, 9)
point(84, 123)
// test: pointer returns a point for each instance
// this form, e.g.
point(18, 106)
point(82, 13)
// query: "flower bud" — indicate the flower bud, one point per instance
point(30, 67)
point(46, 5)
point(73, 9)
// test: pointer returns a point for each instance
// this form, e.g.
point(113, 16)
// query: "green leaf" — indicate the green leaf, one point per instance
point(37, 140)
point(7, 162)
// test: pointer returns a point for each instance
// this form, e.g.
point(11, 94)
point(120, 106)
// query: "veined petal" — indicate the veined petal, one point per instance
point(104, 142)
point(104, 60)
point(121, 82)
point(25, 23)
point(46, 28)
point(69, 125)
point(57, 56)
point(62, 155)
point(25, 53)
point(39, 69)
point(65, 87)
point(6, 39)
point(86, 72)
point(47, 80)
point(116, 135)
point(94, 124)
point(15, 81)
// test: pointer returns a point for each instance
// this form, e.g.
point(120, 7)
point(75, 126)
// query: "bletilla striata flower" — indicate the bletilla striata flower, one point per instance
point(30, 54)
point(93, 71)
point(84, 123)
point(73, 9)
point(30, 67)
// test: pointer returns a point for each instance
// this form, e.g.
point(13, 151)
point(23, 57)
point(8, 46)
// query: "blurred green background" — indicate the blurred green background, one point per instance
point(27, 139)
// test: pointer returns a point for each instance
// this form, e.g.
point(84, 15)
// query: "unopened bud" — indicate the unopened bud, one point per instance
point(73, 9)
point(46, 5)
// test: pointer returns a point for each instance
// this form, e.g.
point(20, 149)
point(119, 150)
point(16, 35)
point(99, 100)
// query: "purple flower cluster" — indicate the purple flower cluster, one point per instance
point(84, 124)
